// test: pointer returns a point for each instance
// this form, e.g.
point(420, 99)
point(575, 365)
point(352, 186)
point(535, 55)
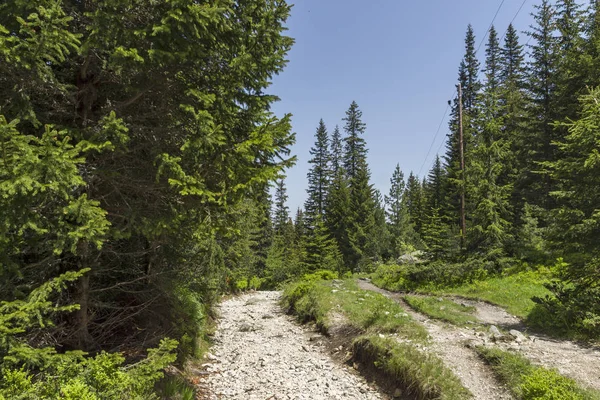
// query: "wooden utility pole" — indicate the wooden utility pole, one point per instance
point(463, 220)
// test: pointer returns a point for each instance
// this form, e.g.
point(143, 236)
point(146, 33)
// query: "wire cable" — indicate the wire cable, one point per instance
point(478, 48)
point(434, 139)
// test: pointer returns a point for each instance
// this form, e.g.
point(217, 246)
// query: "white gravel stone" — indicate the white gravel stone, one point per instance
point(275, 359)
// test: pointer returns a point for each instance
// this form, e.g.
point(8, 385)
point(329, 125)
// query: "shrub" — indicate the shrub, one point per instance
point(548, 385)
point(43, 373)
point(255, 283)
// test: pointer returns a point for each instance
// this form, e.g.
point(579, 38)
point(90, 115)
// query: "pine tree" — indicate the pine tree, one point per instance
point(322, 251)
point(514, 111)
point(576, 220)
point(435, 187)
point(414, 202)
point(435, 234)
point(338, 219)
point(471, 86)
point(281, 213)
point(492, 68)
point(300, 224)
point(396, 212)
point(488, 231)
point(362, 220)
point(319, 176)
point(590, 60)
point(355, 150)
point(337, 152)
point(265, 228)
point(570, 74)
point(379, 244)
point(542, 88)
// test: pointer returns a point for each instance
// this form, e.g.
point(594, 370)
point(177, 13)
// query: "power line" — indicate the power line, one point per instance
point(490, 27)
point(478, 48)
point(434, 139)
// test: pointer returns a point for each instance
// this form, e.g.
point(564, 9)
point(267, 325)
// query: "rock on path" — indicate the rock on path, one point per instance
point(261, 353)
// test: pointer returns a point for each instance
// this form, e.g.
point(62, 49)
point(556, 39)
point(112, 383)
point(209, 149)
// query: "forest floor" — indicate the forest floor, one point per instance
point(262, 353)
point(454, 344)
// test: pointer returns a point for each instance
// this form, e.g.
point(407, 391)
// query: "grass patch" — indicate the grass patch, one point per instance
point(400, 364)
point(513, 292)
point(529, 382)
point(443, 309)
point(175, 388)
point(367, 311)
point(423, 375)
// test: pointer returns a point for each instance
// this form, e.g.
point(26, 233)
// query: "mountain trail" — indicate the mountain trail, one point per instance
point(448, 342)
point(576, 361)
point(261, 353)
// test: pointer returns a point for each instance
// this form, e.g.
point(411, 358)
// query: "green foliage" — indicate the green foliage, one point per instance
point(511, 291)
point(175, 388)
point(418, 373)
point(324, 301)
point(529, 382)
point(434, 274)
point(443, 309)
point(68, 375)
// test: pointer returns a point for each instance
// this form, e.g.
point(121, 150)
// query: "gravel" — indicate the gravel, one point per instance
point(261, 353)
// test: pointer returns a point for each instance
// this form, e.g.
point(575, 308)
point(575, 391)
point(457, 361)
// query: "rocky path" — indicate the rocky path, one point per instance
point(448, 342)
point(570, 359)
point(261, 354)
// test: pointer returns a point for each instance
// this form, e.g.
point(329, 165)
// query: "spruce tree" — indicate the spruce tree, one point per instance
point(355, 150)
point(542, 75)
point(468, 77)
point(415, 202)
point(396, 212)
point(338, 219)
point(515, 114)
point(281, 213)
point(336, 154)
point(435, 187)
point(319, 176)
point(570, 79)
point(488, 228)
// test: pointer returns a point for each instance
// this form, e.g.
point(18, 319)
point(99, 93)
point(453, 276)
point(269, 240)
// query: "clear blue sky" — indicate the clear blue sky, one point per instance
point(397, 58)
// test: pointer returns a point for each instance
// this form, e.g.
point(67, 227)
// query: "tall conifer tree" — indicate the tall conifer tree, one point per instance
point(319, 175)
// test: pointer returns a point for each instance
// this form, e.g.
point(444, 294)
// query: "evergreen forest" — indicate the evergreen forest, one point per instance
point(142, 176)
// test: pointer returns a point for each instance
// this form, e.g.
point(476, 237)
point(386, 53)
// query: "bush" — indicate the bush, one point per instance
point(575, 300)
point(43, 373)
point(255, 283)
point(548, 385)
point(435, 274)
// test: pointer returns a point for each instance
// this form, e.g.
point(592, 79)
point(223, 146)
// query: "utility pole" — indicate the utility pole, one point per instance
point(463, 220)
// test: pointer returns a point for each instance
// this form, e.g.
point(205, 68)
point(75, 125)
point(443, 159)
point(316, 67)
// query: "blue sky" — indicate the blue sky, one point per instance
point(397, 59)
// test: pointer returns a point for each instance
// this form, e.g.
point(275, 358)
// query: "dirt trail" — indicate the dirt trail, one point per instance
point(449, 345)
point(570, 359)
point(261, 353)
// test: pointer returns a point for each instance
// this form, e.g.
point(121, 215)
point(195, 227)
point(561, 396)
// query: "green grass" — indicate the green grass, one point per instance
point(512, 292)
point(422, 374)
point(364, 310)
point(443, 309)
point(529, 382)
point(419, 373)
